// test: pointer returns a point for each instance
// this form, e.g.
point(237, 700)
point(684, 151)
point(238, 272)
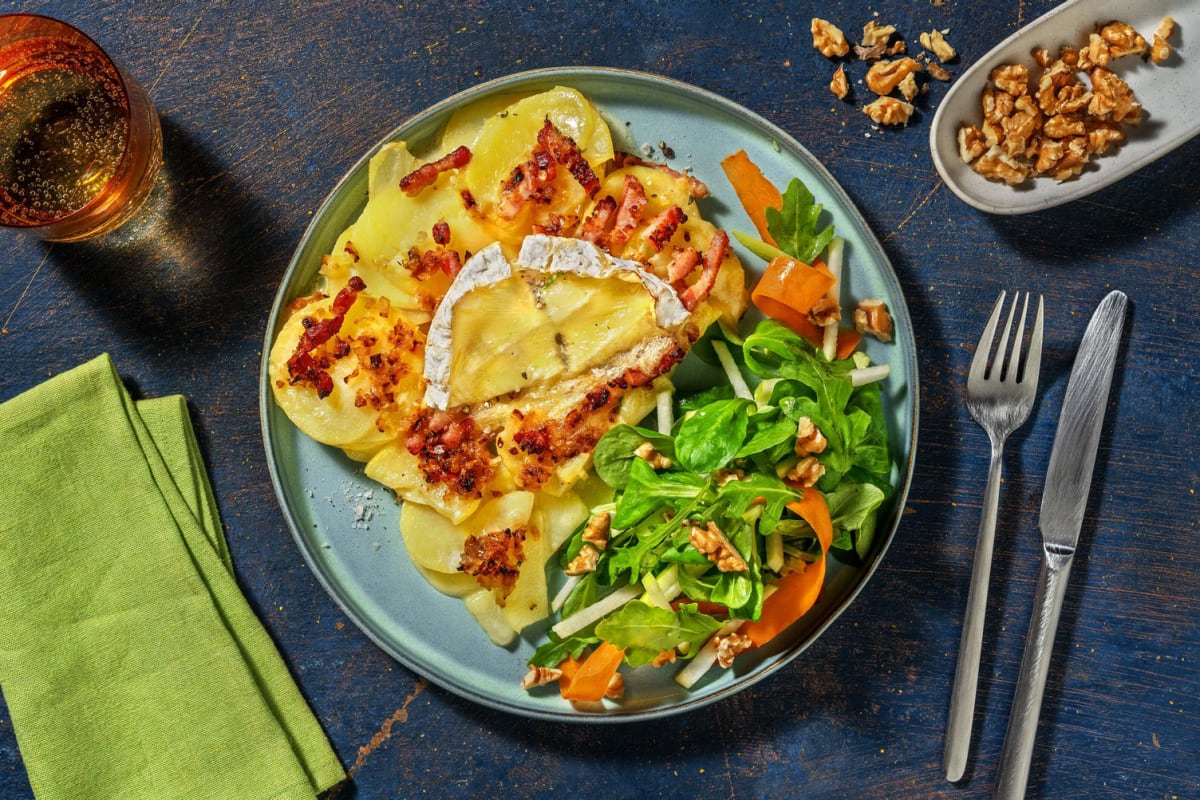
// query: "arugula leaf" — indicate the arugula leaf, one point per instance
point(794, 226)
point(553, 652)
point(646, 490)
point(644, 630)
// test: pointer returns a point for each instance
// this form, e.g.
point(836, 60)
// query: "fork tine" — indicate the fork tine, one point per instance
point(1000, 366)
point(979, 363)
point(1033, 360)
point(1013, 370)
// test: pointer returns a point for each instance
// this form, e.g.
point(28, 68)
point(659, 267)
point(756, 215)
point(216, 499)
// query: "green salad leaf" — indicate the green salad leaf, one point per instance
point(795, 226)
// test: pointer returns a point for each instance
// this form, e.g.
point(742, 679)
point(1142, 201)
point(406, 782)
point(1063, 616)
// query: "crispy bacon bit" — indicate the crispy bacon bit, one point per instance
point(629, 213)
point(469, 201)
point(713, 258)
point(494, 559)
point(528, 181)
point(663, 227)
point(441, 232)
point(635, 377)
point(542, 442)
point(351, 250)
point(302, 367)
point(422, 265)
point(568, 154)
point(596, 226)
point(427, 174)
point(451, 451)
point(696, 187)
point(682, 264)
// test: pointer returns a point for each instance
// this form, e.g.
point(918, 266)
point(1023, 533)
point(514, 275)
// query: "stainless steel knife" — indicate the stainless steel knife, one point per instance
point(1064, 498)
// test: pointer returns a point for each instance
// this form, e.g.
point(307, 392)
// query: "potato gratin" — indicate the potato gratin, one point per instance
point(492, 312)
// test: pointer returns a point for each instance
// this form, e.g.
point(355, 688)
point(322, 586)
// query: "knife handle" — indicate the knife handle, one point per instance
point(1017, 754)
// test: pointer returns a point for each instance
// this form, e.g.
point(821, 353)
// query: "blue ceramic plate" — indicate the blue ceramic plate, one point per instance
point(347, 526)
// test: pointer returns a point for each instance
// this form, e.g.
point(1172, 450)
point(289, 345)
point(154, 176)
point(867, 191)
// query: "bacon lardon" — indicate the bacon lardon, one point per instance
point(663, 227)
point(629, 213)
point(427, 174)
point(693, 295)
point(567, 153)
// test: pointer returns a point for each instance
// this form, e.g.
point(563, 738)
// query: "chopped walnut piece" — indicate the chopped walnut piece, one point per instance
point(828, 38)
point(1112, 99)
point(938, 72)
point(809, 438)
point(872, 317)
point(1011, 78)
point(1102, 135)
point(889, 111)
point(971, 143)
point(908, 87)
point(876, 35)
point(730, 647)
point(998, 165)
point(1160, 49)
point(663, 658)
point(712, 542)
point(935, 42)
point(646, 452)
point(616, 687)
point(840, 85)
point(899, 46)
point(884, 76)
point(873, 53)
point(597, 530)
point(585, 562)
point(825, 311)
point(540, 676)
point(1062, 126)
point(806, 472)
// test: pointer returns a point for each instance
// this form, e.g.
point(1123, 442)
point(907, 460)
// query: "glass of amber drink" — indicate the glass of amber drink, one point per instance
point(80, 142)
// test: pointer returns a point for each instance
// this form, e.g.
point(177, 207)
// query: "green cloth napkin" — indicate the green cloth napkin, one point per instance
point(132, 665)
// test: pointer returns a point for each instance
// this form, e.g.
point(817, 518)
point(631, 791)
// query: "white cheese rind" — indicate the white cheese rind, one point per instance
point(486, 267)
point(540, 253)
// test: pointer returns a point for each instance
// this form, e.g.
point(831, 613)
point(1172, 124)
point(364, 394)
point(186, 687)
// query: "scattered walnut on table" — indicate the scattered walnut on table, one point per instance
point(884, 76)
point(876, 35)
point(889, 111)
point(828, 38)
point(935, 42)
point(840, 85)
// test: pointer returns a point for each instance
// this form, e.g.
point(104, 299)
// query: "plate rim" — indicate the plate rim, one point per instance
point(563, 75)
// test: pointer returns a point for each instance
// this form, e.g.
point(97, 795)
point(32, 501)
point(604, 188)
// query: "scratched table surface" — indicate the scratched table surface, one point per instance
point(266, 104)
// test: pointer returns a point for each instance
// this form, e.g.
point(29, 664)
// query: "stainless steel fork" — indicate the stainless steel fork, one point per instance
point(1000, 395)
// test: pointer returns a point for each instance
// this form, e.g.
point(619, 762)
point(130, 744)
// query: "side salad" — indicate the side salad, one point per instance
point(715, 529)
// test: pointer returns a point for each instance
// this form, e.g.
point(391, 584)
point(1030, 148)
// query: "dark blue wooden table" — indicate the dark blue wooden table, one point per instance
point(266, 104)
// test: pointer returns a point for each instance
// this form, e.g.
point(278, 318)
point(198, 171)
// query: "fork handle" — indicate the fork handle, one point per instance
point(966, 674)
point(1017, 754)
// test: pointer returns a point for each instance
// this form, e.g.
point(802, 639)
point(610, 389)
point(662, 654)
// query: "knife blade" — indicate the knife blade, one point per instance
point(1064, 498)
